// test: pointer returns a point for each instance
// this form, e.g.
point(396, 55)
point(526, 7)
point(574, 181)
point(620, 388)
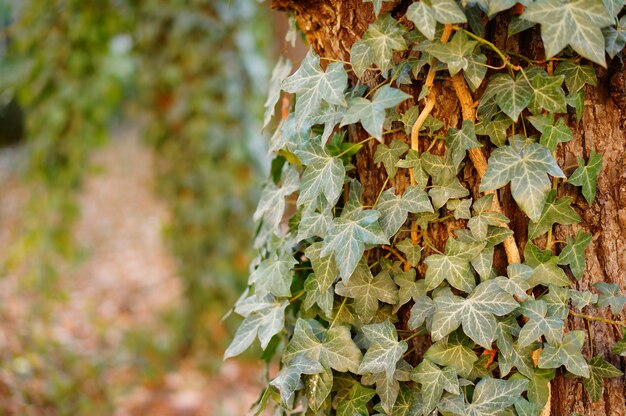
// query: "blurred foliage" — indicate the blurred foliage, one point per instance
point(204, 105)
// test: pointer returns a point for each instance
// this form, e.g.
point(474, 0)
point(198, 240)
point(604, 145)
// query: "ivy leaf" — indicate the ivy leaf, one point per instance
point(265, 317)
point(318, 387)
point(323, 175)
point(455, 269)
point(619, 347)
point(587, 175)
point(434, 381)
point(582, 299)
point(389, 156)
point(551, 134)
point(576, 23)
point(539, 387)
point(577, 102)
point(455, 352)
point(422, 310)
point(513, 95)
point(274, 276)
point(394, 209)
point(517, 282)
point(476, 313)
point(333, 349)
point(566, 353)
point(526, 169)
point(412, 252)
point(459, 141)
point(496, 129)
point(615, 38)
point(272, 203)
point(384, 350)
point(555, 211)
point(348, 235)
point(599, 370)
point(476, 70)
point(491, 396)
point(549, 273)
point(386, 389)
point(547, 93)
point(414, 161)
point(355, 403)
point(539, 323)
point(442, 191)
point(377, 45)
point(377, 4)
point(483, 218)
point(371, 114)
point(455, 53)
point(280, 72)
point(313, 86)
point(557, 300)
point(318, 286)
point(610, 296)
point(409, 288)
point(423, 16)
point(576, 76)
point(367, 290)
point(518, 357)
point(313, 223)
point(448, 11)
point(288, 379)
point(574, 253)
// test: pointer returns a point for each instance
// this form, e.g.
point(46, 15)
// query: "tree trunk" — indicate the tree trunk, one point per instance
point(332, 26)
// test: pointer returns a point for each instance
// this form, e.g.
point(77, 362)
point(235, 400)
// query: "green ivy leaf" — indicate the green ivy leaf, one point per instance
point(576, 76)
point(491, 395)
point(384, 350)
point(573, 253)
point(496, 129)
point(582, 299)
point(539, 323)
point(389, 156)
point(555, 211)
point(576, 23)
point(377, 45)
point(549, 273)
point(318, 387)
point(323, 175)
point(459, 141)
point(434, 381)
point(367, 290)
point(413, 252)
point(615, 38)
point(414, 161)
point(313, 223)
point(313, 86)
point(539, 387)
point(610, 296)
point(557, 299)
point(377, 4)
point(422, 311)
point(512, 95)
point(274, 276)
point(547, 92)
point(333, 348)
point(526, 169)
point(394, 209)
point(577, 102)
point(517, 282)
point(272, 203)
point(371, 114)
point(348, 235)
point(423, 16)
point(355, 403)
point(288, 379)
point(280, 72)
point(318, 286)
point(518, 357)
point(619, 347)
point(587, 175)
point(264, 317)
point(599, 370)
point(455, 352)
point(455, 269)
point(551, 134)
point(476, 313)
point(566, 353)
point(455, 53)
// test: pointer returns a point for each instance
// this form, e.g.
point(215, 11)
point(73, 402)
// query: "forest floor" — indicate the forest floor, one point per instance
point(93, 343)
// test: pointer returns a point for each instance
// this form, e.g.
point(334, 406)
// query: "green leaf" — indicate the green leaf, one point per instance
point(539, 323)
point(455, 269)
point(483, 218)
point(461, 208)
point(455, 53)
point(539, 387)
point(513, 95)
point(377, 4)
point(476, 70)
point(549, 273)
point(272, 203)
point(318, 286)
point(448, 11)
point(367, 290)
point(587, 175)
point(496, 129)
point(323, 175)
point(557, 299)
point(576, 23)
point(577, 101)
point(517, 282)
point(434, 381)
point(371, 114)
point(264, 317)
point(547, 93)
point(555, 211)
point(573, 253)
point(566, 353)
point(518, 357)
point(459, 141)
point(377, 45)
point(576, 76)
point(274, 276)
point(386, 389)
point(551, 134)
point(313, 86)
point(409, 288)
point(526, 169)
point(476, 313)
point(455, 352)
point(384, 350)
point(599, 369)
point(414, 161)
point(412, 252)
point(534, 256)
point(610, 296)
point(491, 395)
point(619, 347)
point(313, 223)
point(280, 72)
point(423, 16)
point(333, 349)
point(582, 299)
point(348, 235)
point(615, 38)
point(422, 310)
point(389, 156)
point(318, 387)
point(355, 404)
point(394, 209)
point(288, 379)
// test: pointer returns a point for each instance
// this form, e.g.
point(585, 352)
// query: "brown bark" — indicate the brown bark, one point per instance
point(332, 26)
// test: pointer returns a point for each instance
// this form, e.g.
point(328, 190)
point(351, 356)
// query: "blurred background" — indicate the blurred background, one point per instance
point(131, 158)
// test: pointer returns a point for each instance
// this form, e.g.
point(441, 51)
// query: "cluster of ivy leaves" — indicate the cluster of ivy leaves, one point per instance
point(332, 273)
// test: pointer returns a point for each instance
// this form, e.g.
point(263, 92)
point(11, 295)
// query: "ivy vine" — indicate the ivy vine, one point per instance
point(332, 273)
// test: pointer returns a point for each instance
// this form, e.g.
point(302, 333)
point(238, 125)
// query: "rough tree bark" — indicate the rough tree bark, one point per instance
point(332, 26)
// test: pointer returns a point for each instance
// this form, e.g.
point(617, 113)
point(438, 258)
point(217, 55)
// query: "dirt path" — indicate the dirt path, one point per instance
point(126, 284)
